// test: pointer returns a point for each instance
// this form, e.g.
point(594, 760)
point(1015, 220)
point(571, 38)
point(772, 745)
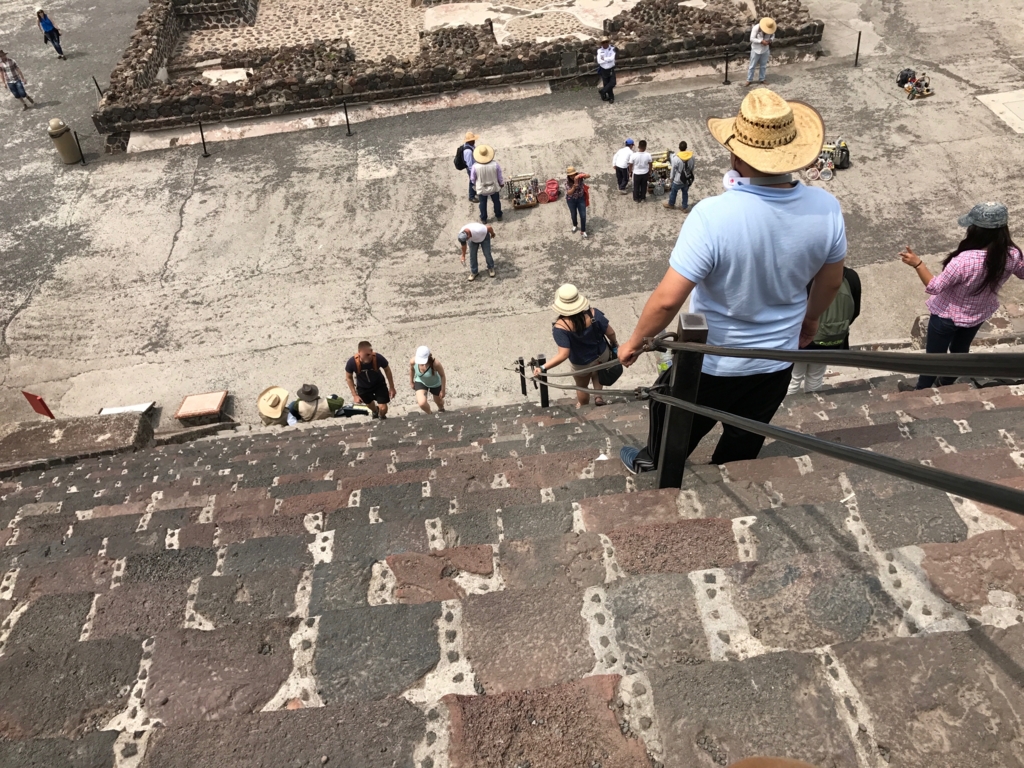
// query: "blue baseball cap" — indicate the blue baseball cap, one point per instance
point(986, 216)
point(629, 142)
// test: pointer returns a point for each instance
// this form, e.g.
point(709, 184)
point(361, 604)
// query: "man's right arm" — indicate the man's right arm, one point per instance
point(663, 305)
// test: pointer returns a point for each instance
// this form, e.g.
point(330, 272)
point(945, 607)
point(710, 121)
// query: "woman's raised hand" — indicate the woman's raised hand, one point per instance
point(909, 257)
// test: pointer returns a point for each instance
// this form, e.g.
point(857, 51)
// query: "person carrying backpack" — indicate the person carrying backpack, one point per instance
point(681, 178)
point(464, 162)
point(833, 333)
point(365, 373)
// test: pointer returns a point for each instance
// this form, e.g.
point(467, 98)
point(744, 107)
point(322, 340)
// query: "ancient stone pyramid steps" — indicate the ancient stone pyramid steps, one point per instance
point(481, 588)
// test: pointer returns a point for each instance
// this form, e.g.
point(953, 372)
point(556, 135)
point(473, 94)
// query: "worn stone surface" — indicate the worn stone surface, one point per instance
point(66, 439)
point(50, 625)
point(170, 565)
point(569, 561)
point(604, 513)
point(140, 610)
point(422, 578)
point(965, 572)
point(794, 530)
point(921, 516)
point(526, 639)
point(369, 734)
point(364, 654)
point(681, 547)
point(570, 724)
point(945, 700)
point(248, 596)
point(268, 553)
point(211, 675)
point(777, 704)
point(94, 750)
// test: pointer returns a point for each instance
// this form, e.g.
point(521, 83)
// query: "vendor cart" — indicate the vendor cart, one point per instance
point(522, 191)
point(661, 170)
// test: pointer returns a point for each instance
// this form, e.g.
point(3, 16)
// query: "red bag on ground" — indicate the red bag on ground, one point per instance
point(552, 189)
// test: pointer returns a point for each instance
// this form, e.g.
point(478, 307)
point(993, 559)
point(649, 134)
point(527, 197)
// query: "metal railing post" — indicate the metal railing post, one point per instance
point(683, 384)
point(543, 382)
point(521, 365)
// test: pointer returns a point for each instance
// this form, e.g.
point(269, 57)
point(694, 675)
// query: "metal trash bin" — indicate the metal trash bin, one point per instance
point(64, 141)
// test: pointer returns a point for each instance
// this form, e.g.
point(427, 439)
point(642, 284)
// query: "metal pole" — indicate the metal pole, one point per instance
point(683, 385)
point(726, 81)
point(347, 126)
point(856, 58)
point(522, 374)
point(203, 137)
point(97, 86)
point(544, 402)
point(81, 154)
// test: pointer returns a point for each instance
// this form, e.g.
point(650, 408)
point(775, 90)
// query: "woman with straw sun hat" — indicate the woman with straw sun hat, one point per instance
point(747, 257)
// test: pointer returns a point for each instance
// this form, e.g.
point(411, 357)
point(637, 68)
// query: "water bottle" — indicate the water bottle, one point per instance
point(664, 361)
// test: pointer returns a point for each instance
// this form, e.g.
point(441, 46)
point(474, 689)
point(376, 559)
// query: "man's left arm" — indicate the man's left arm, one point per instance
point(663, 305)
point(391, 381)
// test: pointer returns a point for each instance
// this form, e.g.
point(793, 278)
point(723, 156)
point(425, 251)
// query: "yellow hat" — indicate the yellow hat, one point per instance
point(767, 25)
point(272, 402)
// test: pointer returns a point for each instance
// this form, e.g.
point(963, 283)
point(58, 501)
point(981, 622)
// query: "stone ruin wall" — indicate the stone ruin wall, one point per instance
point(326, 73)
point(214, 14)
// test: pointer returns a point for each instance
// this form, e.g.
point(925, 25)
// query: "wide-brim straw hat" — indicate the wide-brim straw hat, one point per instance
point(569, 301)
point(570, 171)
point(768, 25)
point(470, 136)
point(272, 402)
point(483, 153)
point(771, 134)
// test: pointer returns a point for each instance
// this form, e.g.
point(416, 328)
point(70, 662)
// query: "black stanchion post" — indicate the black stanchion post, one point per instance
point(726, 81)
point(97, 86)
point(81, 154)
point(203, 137)
point(347, 126)
point(856, 57)
point(683, 384)
point(544, 402)
point(522, 374)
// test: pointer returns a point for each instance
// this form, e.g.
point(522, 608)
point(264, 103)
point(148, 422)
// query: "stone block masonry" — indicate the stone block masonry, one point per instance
point(325, 73)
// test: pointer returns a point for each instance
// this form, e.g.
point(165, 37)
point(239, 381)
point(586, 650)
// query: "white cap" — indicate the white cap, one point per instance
point(422, 355)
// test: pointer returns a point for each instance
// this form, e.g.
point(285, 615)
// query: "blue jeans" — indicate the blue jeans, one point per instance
point(486, 246)
point(685, 189)
point(53, 38)
point(755, 59)
point(472, 186)
point(578, 206)
point(496, 199)
point(945, 336)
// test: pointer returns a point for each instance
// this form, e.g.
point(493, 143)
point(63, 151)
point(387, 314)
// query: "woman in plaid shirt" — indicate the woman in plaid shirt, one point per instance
point(966, 293)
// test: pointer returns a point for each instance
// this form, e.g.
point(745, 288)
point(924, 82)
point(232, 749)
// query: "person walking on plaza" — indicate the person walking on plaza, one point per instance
point(747, 257)
point(479, 238)
point(426, 376)
point(51, 34)
point(583, 336)
point(681, 178)
point(833, 333)
point(13, 78)
point(640, 169)
point(576, 199)
point(369, 379)
point(762, 35)
point(464, 161)
point(486, 176)
point(606, 68)
point(620, 162)
point(966, 293)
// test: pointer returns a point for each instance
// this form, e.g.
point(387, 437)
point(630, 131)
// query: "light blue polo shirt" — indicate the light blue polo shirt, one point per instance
point(752, 252)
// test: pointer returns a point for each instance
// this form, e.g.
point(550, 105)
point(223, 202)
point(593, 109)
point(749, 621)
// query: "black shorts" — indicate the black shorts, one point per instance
point(435, 391)
point(377, 394)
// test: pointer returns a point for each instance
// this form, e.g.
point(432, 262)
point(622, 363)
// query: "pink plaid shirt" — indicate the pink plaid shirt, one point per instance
point(954, 292)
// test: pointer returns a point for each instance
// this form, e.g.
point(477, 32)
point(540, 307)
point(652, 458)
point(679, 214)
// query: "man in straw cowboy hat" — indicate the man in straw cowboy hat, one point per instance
point(747, 257)
point(762, 35)
point(271, 404)
point(467, 162)
point(486, 175)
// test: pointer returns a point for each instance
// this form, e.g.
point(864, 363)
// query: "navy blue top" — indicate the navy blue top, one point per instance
point(367, 377)
point(584, 347)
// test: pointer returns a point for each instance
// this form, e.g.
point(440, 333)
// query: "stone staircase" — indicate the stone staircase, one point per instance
point(491, 588)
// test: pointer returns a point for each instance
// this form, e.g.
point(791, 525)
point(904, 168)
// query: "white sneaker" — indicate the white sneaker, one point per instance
point(574, 229)
point(585, 236)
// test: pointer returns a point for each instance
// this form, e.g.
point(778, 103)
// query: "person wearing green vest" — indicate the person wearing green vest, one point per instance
point(833, 333)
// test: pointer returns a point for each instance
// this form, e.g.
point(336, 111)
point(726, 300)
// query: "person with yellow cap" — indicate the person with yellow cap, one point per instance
point(761, 38)
point(747, 257)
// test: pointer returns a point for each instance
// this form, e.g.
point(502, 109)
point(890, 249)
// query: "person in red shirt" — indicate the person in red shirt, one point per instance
point(966, 293)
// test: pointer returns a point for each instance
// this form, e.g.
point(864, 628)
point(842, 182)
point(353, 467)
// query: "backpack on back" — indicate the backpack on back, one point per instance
point(836, 320)
point(460, 158)
point(359, 363)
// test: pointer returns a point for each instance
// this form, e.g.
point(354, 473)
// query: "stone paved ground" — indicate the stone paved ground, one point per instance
point(482, 588)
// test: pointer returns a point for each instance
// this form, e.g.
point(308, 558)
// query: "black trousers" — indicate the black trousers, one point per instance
point(622, 177)
point(607, 89)
point(640, 186)
point(755, 397)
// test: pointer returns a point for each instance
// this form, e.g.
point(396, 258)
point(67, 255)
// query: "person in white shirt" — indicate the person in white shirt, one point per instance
point(479, 238)
point(606, 68)
point(640, 169)
point(620, 162)
point(761, 38)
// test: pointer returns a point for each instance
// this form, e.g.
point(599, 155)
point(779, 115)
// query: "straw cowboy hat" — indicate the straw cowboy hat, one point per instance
point(272, 401)
point(483, 154)
point(570, 171)
point(771, 134)
point(768, 25)
point(470, 136)
point(569, 301)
